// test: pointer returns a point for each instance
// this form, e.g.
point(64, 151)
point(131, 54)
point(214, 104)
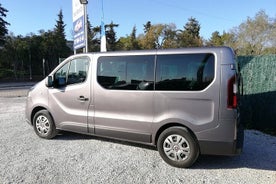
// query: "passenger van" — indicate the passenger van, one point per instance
point(183, 101)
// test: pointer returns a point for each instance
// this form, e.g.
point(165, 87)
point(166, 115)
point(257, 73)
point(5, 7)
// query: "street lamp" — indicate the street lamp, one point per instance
point(84, 3)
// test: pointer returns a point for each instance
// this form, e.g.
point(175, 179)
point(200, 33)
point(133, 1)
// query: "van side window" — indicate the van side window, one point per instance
point(184, 72)
point(75, 71)
point(78, 71)
point(126, 72)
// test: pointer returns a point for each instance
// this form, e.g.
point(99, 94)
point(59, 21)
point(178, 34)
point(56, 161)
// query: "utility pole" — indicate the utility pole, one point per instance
point(84, 3)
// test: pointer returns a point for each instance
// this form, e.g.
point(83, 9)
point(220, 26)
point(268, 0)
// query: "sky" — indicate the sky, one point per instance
point(30, 16)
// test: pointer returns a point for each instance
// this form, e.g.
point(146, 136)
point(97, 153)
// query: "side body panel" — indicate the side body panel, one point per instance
point(198, 110)
point(123, 114)
point(227, 137)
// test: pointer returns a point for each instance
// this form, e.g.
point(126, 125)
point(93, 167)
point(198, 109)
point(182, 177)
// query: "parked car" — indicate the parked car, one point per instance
point(183, 101)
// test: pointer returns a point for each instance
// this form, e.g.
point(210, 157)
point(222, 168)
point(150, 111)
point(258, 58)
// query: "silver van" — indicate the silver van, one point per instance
point(183, 101)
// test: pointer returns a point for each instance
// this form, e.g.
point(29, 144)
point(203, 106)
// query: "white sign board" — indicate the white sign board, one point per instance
point(78, 24)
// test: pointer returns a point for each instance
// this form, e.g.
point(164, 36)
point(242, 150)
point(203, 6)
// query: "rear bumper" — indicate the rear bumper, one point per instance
point(224, 148)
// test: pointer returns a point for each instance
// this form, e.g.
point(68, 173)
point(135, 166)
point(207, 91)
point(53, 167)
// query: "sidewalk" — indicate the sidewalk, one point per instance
point(15, 89)
point(16, 84)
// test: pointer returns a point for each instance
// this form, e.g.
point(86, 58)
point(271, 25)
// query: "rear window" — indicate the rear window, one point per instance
point(184, 72)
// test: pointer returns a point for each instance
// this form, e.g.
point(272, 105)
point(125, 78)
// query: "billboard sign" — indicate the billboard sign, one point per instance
point(78, 24)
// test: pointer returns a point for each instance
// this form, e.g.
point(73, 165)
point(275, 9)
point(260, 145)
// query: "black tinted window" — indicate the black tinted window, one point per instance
point(74, 71)
point(78, 71)
point(187, 72)
point(126, 72)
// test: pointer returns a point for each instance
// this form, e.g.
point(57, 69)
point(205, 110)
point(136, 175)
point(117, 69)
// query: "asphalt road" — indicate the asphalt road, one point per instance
point(74, 158)
point(15, 89)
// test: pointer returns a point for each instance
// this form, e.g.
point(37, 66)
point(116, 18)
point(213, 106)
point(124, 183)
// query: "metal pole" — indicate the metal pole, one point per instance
point(85, 28)
point(30, 66)
point(43, 65)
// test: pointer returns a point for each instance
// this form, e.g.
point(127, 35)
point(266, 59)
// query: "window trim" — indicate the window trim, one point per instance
point(68, 69)
point(155, 72)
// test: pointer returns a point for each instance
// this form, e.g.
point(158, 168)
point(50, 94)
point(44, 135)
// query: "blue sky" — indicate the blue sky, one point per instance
point(213, 15)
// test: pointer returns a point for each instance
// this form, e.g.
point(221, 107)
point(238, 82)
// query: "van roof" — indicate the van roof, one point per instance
point(225, 53)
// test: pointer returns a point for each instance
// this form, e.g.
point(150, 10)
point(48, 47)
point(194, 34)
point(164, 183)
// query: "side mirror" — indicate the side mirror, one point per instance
point(49, 81)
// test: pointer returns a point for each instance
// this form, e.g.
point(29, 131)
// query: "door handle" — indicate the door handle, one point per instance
point(83, 99)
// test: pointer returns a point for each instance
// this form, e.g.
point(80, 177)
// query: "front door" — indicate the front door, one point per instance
point(70, 98)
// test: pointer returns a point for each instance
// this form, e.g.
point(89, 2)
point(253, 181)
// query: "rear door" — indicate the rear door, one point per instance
point(70, 98)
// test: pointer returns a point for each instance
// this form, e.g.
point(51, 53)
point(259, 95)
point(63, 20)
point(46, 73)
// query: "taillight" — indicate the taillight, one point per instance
point(232, 93)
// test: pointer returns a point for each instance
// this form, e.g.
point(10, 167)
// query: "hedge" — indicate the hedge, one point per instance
point(258, 109)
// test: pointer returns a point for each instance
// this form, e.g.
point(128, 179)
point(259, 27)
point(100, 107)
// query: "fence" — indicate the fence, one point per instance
point(258, 108)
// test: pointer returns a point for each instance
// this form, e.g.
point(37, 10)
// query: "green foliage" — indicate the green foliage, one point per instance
point(170, 36)
point(5, 73)
point(189, 37)
point(59, 35)
point(111, 36)
point(215, 40)
point(129, 42)
point(255, 36)
point(192, 27)
point(3, 24)
point(259, 85)
point(93, 41)
point(60, 27)
point(23, 55)
point(153, 38)
point(147, 27)
point(133, 40)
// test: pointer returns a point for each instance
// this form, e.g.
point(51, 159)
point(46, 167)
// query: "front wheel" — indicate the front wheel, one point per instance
point(177, 147)
point(44, 125)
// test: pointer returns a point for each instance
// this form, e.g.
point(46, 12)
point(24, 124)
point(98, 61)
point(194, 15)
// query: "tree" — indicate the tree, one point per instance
point(192, 27)
point(215, 40)
point(256, 34)
point(153, 38)
point(170, 38)
point(111, 36)
point(128, 42)
point(50, 49)
point(133, 40)
point(229, 39)
point(93, 41)
point(147, 27)
point(59, 33)
point(16, 54)
point(189, 37)
point(60, 27)
point(3, 24)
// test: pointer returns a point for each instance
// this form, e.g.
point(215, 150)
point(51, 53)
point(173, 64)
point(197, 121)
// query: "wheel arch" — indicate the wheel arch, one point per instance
point(35, 110)
point(169, 125)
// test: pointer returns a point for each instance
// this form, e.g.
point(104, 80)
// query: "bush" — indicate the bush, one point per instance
point(6, 73)
point(259, 84)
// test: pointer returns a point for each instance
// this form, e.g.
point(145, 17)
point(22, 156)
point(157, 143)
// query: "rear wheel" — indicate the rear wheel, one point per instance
point(177, 147)
point(44, 125)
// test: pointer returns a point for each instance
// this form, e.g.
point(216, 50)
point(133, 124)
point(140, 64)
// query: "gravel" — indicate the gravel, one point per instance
point(74, 158)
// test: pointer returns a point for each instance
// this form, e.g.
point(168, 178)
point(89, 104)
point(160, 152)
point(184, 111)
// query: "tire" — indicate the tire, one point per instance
point(44, 125)
point(178, 147)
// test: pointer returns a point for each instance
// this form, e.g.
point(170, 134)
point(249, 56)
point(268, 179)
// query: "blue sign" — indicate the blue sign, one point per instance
point(79, 37)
